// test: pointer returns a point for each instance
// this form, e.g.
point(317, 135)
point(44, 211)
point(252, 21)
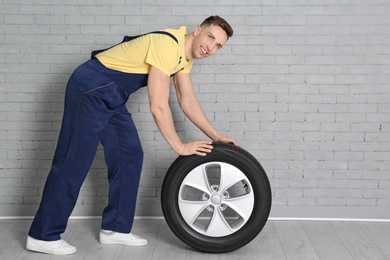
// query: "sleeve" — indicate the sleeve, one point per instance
point(188, 67)
point(163, 54)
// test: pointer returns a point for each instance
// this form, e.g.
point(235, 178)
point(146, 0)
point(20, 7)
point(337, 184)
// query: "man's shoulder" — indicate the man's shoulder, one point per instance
point(179, 34)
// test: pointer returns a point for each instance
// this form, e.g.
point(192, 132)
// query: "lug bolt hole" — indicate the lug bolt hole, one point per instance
point(215, 188)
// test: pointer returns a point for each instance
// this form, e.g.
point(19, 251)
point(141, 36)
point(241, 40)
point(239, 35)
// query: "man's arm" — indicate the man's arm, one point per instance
point(158, 88)
point(193, 110)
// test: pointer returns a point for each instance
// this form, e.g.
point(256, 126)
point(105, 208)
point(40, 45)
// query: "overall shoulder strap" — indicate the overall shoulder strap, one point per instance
point(129, 38)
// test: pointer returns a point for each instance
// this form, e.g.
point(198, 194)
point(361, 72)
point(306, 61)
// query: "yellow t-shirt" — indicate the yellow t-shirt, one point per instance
point(158, 50)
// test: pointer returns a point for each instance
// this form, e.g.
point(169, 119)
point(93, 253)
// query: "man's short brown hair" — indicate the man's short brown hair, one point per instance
point(216, 20)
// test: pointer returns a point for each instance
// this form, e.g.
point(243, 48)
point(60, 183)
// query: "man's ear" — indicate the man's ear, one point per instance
point(197, 30)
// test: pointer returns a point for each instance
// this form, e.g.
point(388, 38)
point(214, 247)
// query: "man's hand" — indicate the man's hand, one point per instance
point(201, 148)
point(227, 139)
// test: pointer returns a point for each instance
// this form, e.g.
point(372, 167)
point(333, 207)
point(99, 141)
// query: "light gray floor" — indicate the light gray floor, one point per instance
point(278, 240)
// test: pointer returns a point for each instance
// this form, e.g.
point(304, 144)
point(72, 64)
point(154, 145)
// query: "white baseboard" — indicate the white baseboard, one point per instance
point(377, 214)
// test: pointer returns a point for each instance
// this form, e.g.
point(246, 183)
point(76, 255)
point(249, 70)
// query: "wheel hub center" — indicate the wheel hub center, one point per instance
point(216, 199)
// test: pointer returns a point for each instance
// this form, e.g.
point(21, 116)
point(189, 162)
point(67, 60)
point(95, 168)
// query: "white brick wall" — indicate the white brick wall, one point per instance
point(303, 85)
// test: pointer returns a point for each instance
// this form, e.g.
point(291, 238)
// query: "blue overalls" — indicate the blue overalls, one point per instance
point(95, 111)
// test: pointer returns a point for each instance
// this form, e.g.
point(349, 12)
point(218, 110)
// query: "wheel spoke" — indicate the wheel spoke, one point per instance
point(197, 179)
point(243, 205)
point(191, 210)
point(230, 176)
point(218, 225)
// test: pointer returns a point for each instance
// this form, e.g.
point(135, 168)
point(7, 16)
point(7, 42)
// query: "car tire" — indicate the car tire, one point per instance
point(219, 202)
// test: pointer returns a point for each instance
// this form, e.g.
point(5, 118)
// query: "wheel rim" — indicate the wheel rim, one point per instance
point(216, 199)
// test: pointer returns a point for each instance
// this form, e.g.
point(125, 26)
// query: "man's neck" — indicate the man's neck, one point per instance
point(188, 46)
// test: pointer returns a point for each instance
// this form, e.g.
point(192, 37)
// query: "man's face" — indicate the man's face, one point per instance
point(208, 40)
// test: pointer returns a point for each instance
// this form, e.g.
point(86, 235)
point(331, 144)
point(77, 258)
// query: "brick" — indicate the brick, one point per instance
point(377, 194)
point(324, 117)
point(337, 184)
point(332, 201)
point(332, 108)
point(259, 116)
point(334, 193)
point(320, 79)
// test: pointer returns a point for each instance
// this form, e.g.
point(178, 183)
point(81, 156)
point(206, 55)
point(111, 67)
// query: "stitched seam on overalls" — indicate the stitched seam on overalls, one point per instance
point(100, 87)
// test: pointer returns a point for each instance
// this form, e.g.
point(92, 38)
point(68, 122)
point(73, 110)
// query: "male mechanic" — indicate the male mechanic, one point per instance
point(95, 111)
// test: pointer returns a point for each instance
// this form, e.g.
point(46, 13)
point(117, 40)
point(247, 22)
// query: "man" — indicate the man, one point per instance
point(95, 111)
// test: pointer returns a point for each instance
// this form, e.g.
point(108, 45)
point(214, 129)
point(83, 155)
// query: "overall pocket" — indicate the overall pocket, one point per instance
point(105, 98)
point(108, 96)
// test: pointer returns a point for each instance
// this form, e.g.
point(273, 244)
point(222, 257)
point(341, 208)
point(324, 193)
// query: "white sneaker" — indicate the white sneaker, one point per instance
point(115, 238)
point(58, 247)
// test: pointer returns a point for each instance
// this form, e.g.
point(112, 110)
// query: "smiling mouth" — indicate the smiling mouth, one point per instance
point(203, 51)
